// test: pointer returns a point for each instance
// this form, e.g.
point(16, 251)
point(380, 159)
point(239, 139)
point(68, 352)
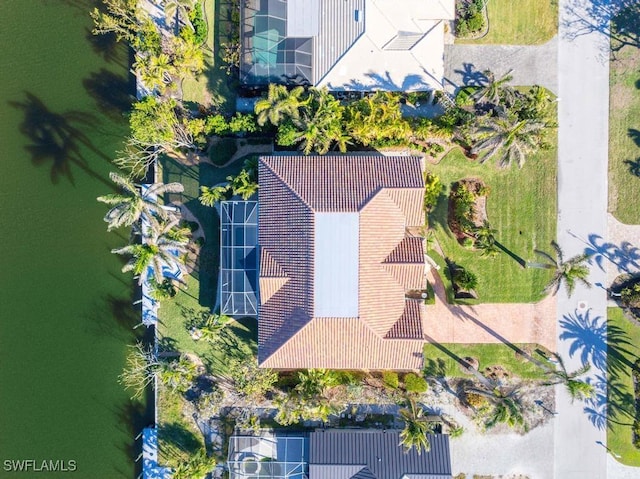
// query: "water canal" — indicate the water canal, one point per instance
point(65, 309)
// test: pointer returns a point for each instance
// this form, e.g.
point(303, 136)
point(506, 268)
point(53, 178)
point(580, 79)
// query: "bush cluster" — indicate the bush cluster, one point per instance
point(415, 384)
point(469, 17)
point(463, 278)
point(199, 24)
point(636, 389)
point(390, 379)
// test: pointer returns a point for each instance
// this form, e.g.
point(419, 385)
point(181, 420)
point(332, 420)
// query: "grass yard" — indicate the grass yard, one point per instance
point(624, 135)
point(619, 435)
point(520, 22)
point(213, 87)
point(521, 206)
point(202, 282)
point(178, 436)
point(487, 355)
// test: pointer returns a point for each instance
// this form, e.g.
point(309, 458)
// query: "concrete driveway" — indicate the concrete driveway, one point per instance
point(531, 64)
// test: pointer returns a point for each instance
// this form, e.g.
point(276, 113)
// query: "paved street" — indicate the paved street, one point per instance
point(583, 112)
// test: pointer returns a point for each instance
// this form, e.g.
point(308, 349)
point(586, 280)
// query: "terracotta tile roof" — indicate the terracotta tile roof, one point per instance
point(269, 267)
point(409, 250)
point(346, 183)
point(409, 326)
point(408, 201)
point(345, 343)
point(269, 287)
point(387, 192)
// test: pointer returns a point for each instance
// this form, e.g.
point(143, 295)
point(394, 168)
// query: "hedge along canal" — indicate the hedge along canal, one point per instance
point(66, 313)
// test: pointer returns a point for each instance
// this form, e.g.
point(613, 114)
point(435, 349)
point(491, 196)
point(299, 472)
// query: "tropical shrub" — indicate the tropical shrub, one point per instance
point(390, 379)
point(469, 17)
point(630, 296)
point(250, 380)
point(415, 384)
point(475, 400)
point(199, 24)
point(463, 278)
point(433, 188)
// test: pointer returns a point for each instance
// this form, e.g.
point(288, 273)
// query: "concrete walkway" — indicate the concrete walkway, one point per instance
point(583, 112)
point(531, 64)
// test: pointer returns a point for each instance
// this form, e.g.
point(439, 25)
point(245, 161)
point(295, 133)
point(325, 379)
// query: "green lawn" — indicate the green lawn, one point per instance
point(621, 411)
point(520, 22)
point(178, 436)
point(521, 206)
point(624, 135)
point(203, 281)
point(487, 355)
point(214, 87)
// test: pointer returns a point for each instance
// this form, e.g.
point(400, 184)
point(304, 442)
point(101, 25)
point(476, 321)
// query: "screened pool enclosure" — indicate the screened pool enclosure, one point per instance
point(238, 258)
point(268, 456)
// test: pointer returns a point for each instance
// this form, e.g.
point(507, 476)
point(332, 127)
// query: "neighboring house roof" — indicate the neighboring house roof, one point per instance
point(371, 325)
point(345, 44)
point(374, 454)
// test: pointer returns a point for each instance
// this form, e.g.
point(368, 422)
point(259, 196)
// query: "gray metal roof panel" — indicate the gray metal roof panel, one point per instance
point(339, 30)
point(303, 18)
point(380, 451)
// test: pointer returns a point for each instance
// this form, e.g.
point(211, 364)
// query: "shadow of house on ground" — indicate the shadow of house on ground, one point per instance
point(58, 138)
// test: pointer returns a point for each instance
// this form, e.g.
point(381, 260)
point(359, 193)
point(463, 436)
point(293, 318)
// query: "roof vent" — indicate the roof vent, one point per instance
point(358, 17)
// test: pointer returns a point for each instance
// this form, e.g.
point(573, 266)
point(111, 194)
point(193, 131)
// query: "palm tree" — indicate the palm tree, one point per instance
point(160, 251)
point(568, 272)
point(196, 467)
point(210, 195)
point(188, 58)
point(507, 406)
point(242, 185)
point(495, 91)
point(319, 126)
point(279, 104)
point(514, 138)
point(577, 388)
point(128, 208)
point(155, 71)
point(179, 375)
point(416, 428)
point(486, 240)
point(314, 382)
point(179, 10)
point(212, 325)
point(506, 410)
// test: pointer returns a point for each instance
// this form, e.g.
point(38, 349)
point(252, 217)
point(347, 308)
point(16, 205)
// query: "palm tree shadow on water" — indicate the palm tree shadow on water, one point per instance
point(604, 346)
point(58, 138)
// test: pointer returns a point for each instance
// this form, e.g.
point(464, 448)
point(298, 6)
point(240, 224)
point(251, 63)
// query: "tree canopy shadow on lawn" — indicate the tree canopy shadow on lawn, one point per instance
point(59, 139)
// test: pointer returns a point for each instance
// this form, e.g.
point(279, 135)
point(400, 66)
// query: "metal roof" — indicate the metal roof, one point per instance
point(302, 18)
point(336, 246)
point(378, 452)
